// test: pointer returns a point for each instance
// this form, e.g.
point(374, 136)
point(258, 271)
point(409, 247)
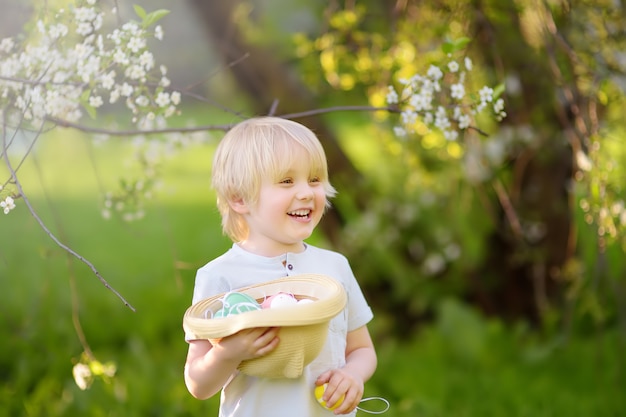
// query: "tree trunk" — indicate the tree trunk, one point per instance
point(527, 265)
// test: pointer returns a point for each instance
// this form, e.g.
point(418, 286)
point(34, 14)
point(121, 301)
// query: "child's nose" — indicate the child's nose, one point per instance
point(305, 192)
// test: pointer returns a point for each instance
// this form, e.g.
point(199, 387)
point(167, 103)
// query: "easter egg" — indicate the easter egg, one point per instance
point(305, 301)
point(236, 303)
point(319, 393)
point(279, 300)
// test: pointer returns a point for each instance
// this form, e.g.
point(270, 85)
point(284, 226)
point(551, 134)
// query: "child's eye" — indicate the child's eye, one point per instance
point(286, 181)
point(315, 179)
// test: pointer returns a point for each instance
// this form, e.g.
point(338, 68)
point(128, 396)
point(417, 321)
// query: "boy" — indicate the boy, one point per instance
point(271, 179)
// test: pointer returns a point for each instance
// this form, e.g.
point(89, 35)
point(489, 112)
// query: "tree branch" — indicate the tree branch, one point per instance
point(218, 127)
point(42, 224)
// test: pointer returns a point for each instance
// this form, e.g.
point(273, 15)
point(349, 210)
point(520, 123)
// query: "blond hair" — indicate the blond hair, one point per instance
point(254, 149)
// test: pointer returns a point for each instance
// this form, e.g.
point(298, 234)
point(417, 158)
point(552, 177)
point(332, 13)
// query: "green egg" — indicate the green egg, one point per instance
point(220, 314)
point(236, 298)
point(236, 303)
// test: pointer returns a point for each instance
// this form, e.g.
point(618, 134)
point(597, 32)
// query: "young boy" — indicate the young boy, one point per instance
point(271, 180)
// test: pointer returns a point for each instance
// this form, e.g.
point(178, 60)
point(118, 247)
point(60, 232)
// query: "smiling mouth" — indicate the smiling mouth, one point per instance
point(301, 214)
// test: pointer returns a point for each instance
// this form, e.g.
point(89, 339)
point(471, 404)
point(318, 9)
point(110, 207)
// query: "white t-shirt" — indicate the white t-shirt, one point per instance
point(247, 396)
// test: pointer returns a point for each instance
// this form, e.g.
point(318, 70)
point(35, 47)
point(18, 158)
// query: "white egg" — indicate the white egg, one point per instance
point(282, 300)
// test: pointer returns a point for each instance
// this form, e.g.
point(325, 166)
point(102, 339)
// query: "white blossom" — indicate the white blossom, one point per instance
point(457, 91)
point(132, 28)
point(85, 14)
point(498, 106)
point(468, 64)
point(450, 135)
point(84, 28)
point(408, 118)
point(392, 96)
point(142, 101)
point(464, 121)
point(95, 101)
point(147, 60)
point(486, 94)
point(165, 82)
point(120, 57)
point(126, 90)
point(175, 96)
point(441, 119)
point(162, 99)
point(107, 81)
point(7, 204)
point(82, 375)
point(453, 66)
point(158, 32)
point(434, 72)
point(58, 31)
point(399, 131)
point(135, 72)
point(136, 43)
point(114, 96)
point(6, 45)
point(170, 111)
point(421, 101)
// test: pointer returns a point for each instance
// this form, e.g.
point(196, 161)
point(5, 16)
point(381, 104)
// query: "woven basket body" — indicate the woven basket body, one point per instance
point(304, 327)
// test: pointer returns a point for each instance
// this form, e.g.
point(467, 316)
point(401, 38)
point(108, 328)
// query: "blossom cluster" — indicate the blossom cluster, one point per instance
point(7, 203)
point(70, 66)
point(89, 369)
point(440, 99)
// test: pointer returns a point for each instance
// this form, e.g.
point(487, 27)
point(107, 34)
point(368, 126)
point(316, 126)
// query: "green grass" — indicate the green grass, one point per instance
point(462, 365)
point(514, 373)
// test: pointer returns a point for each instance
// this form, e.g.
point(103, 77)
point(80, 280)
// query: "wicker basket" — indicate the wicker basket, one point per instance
point(304, 327)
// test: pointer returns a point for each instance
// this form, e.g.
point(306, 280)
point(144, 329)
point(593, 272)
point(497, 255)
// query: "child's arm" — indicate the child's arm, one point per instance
point(208, 367)
point(360, 365)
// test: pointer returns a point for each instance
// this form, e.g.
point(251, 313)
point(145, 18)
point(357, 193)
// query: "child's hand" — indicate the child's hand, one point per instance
point(340, 382)
point(248, 344)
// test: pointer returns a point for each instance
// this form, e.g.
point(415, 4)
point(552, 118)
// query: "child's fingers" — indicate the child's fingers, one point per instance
point(273, 344)
point(336, 393)
point(323, 378)
point(342, 393)
point(349, 403)
point(266, 341)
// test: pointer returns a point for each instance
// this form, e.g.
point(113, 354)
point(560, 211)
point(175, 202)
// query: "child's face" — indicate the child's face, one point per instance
point(287, 211)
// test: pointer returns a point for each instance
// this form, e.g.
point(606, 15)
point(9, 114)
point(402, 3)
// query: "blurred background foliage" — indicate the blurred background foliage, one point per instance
point(495, 264)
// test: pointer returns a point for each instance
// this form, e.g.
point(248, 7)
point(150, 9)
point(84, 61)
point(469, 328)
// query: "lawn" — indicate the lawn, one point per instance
point(460, 365)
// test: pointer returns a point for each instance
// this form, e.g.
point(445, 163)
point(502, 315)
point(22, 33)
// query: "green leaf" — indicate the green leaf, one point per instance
point(91, 111)
point(140, 11)
point(154, 17)
point(84, 100)
point(447, 47)
point(450, 47)
point(498, 90)
point(461, 43)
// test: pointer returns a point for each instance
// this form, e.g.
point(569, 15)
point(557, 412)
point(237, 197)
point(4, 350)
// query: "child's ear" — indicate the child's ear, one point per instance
point(238, 205)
